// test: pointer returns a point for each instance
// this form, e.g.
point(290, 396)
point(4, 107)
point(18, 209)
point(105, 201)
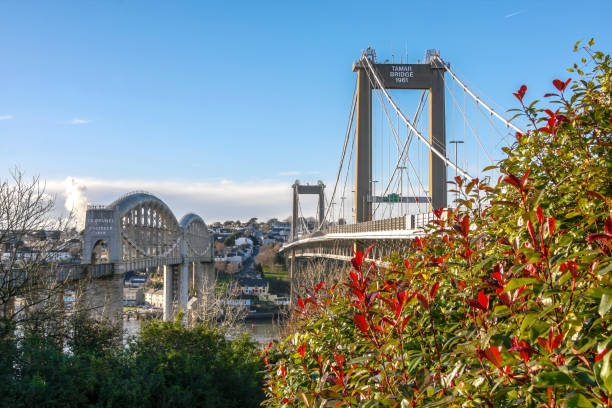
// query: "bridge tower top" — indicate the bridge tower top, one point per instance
point(373, 75)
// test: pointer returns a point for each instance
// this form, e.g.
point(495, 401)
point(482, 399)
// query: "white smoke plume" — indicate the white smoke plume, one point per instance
point(76, 200)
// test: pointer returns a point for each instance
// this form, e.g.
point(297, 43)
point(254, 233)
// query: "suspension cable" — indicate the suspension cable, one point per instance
point(407, 122)
point(346, 140)
point(478, 100)
point(465, 117)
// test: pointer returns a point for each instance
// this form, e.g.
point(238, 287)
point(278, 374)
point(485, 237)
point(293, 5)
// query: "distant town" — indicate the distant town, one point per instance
point(249, 272)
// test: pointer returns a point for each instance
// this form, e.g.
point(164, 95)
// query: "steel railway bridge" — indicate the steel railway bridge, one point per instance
point(139, 232)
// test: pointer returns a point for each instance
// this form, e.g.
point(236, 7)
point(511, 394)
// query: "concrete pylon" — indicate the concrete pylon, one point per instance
point(167, 293)
point(184, 287)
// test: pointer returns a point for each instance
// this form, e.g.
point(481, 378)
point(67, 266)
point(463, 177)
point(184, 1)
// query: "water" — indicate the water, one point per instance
point(262, 331)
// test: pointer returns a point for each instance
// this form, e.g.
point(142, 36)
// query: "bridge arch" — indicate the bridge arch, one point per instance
point(100, 253)
point(147, 227)
point(196, 237)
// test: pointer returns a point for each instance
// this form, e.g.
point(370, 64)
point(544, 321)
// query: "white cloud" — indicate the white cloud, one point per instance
point(516, 13)
point(6, 117)
point(213, 201)
point(76, 121)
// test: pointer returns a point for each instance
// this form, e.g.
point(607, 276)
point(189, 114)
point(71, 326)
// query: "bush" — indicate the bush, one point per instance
point(504, 302)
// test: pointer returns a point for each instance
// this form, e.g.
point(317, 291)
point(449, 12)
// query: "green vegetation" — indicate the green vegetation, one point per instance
point(167, 366)
point(506, 301)
point(278, 279)
point(275, 271)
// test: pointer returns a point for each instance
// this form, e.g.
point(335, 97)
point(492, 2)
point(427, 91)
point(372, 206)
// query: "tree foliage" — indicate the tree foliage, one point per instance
point(505, 301)
point(167, 366)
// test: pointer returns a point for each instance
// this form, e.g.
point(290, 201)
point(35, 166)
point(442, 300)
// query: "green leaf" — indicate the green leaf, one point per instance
point(578, 401)
point(605, 270)
point(527, 321)
point(518, 282)
point(605, 304)
point(553, 379)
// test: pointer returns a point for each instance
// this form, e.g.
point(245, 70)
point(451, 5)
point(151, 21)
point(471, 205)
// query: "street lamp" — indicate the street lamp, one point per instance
point(456, 142)
point(373, 201)
point(401, 169)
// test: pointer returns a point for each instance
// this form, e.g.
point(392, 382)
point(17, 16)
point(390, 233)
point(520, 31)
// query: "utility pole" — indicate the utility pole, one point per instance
point(456, 142)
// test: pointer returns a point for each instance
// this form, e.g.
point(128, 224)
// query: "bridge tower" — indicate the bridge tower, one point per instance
point(428, 76)
point(318, 189)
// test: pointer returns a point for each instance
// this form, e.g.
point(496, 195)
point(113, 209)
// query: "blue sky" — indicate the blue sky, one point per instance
point(218, 106)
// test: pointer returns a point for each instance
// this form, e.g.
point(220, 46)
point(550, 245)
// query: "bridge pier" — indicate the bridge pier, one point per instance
point(167, 292)
point(184, 287)
point(102, 298)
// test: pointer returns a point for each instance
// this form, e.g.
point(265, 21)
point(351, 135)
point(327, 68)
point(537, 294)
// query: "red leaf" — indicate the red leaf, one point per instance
point(319, 286)
point(608, 225)
point(557, 341)
point(357, 260)
point(406, 320)
point(361, 323)
point(434, 289)
point(540, 214)
point(474, 303)
point(419, 242)
point(531, 231)
point(599, 237)
point(465, 225)
point(368, 251)
point(550, 94)
point(560, 85)
point(483, 300)
point(423, 301)
point(551, 225)
point(438, 212)
point(525, 178)
point(493, 355)
point(461, 285)
point(302, 350)
point(513, 180)
point(407, 264)
point(300, 303)
point(602, 354)
point(459, 180)
point(543, 343)
point(520, 93)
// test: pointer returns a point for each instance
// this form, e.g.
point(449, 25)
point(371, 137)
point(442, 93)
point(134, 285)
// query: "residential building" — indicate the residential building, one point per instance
point(133, 297)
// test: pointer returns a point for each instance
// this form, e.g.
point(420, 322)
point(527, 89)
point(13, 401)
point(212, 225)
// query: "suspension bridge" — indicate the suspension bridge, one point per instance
point(394, 166)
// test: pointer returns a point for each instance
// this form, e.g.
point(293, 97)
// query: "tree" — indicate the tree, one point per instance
point(219, 246)
point(27, 273)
